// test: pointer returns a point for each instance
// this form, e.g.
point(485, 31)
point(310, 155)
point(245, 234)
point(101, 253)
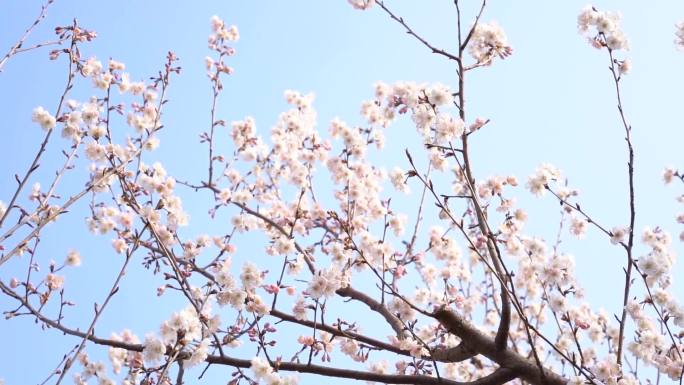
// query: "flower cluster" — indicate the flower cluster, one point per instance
point(544, 175)
point(244, 297)
point(92, 369)
point(656, 265)
point(42, 117)
point(398, 178)
point(488, 41)
point(263, 371)
point(602, 28)
point(218, 42)
point(650, 344)
point(120, 358)
point(221, 32)
point(318, 238)
point(183, 332)
point(325, 282)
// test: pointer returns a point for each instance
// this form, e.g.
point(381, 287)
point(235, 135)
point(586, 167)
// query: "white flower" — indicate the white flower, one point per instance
point(42, 117)
point(398, 222)
point(119, 245)
point(233, 297)
point(242, 196)
point(607, 369)
point(448, 128)
point(152, 143)
point(618, 234)
point(440, 95)
point(325, 282)
point(224, 278)
point(91, 67)
point(54, 282)
point(256, 305)
point(669, 174)
point(73, 258)
point(284, 245)
point(116, 65)
point(260, 367)
point(405, 312)
point(251, 276)
point(361, 4)
point(606, 27)
point(95, 152)
point(208, 63)
point(224, 196)
point(216, 23)
point(221, 32)
point(545, 173)
point(487, 41)
point(349, 347)
point(625, 66)
point(199, 354)
point(557, 302)
point(379, 367)
point(231, 33)
point(578, 227)
point(438, 159)
point(153, 349)
point(103, 81)
point(398, 179)
point(299, 309)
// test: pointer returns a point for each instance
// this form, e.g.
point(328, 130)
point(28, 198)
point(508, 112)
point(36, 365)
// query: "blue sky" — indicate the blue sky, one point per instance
point(552, 101)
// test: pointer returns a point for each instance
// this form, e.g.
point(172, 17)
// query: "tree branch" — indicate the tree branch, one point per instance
point(16, 47)
point(498, 377)
point(376, 306)
point(410, 31)
point(485, 345)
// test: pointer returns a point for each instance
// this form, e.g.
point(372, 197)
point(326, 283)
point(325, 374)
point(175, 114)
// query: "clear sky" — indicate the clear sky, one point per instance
point(552, 101)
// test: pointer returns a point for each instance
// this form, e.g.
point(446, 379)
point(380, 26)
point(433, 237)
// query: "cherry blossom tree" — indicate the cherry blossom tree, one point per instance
point(465, 294)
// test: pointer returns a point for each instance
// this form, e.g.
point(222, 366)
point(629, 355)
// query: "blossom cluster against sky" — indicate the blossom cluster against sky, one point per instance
point(551, 101)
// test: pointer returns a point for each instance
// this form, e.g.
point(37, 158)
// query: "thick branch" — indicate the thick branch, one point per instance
point(485, 345)
point(341, 333)
point(500, 376)
point(376, 306)
point(458, 353)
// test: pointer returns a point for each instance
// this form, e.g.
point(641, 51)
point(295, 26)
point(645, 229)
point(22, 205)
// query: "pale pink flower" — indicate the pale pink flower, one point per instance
point(43, 118)
point(119, 245)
